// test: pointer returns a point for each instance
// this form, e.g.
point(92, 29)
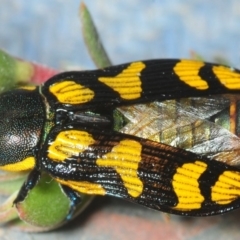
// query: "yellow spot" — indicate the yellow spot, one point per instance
point(24, 165)
point(125, 158)
point(70, 92)
point(227, 188)
point(128, 82)
point(69, 143)
point(227, 77)
point(84, 187)
point(30, 88)
point(188, 72)
point(186, 186)
point(233, 115)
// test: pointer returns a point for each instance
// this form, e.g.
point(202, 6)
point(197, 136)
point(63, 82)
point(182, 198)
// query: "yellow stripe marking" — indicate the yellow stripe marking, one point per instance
point(186, 186)
point(125, 158)
point(24, 165)
point(188, 72)
point(69, 143)
point(70, 92)
point(84, 187)
point(128, 82)
point(227, 77)
point(227, 188)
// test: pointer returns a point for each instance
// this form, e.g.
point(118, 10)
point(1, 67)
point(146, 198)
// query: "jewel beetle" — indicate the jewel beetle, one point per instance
point(66, 128)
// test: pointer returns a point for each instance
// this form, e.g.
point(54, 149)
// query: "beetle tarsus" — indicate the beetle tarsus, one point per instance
point(75, 200)
point(29, 184)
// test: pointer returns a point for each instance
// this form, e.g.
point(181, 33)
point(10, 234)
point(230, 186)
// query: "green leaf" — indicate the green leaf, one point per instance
point(92, 39)
point(13, 71)
point(46, 206)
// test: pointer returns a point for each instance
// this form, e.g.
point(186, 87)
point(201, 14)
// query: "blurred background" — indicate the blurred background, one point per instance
point(49, 32)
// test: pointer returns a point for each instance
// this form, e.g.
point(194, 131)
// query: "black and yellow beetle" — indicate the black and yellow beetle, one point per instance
point(66, 128)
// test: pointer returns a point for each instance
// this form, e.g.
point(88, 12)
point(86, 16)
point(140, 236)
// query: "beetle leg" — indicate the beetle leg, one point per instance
point(75, 200)
point(29, 184)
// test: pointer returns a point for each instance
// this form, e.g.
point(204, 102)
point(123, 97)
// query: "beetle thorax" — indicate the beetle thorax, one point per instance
point(22, 118)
